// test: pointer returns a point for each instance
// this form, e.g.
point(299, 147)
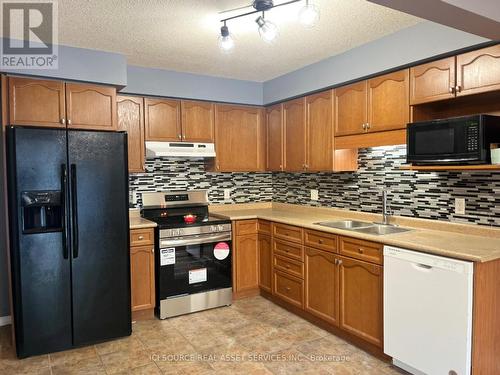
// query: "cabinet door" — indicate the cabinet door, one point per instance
point(90, 107)
point(294, 124)
point(361, 299)
point(319, 120)
point(321, 285)
point(36, 102)
point(432, 81)
point(388, 102)
point(247, 269)
point(197, 121)
point(478, 71)
point(265, 263)
point(162, 119)
point(131, 119)
point(142, 268)
point(350, 109)
point(240, 138)
point(274, 125)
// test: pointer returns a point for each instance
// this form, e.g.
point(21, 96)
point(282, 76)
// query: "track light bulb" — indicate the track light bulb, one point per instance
point(309, 15)
point(268, 31)
point(226, 41)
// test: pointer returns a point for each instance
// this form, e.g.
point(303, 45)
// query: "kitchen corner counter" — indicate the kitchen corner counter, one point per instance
point(137, 222)
point(459, 241)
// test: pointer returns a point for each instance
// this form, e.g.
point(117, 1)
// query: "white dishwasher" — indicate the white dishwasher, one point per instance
point(427, 312)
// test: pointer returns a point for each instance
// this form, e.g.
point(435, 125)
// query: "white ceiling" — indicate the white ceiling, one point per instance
point(181, 35)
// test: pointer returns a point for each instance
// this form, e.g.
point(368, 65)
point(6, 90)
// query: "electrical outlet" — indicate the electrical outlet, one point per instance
point(314, 195)
point(460, 206)
point(227, 194)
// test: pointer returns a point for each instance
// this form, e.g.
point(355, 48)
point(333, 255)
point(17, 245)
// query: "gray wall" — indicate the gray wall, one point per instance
point(415, 43)
point(160, 82)
point(82, 64)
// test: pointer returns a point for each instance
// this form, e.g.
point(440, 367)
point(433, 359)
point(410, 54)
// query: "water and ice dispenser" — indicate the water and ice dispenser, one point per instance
point(42, 211)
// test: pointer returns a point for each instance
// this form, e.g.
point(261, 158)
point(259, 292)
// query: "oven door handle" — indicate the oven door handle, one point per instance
point(195, 240)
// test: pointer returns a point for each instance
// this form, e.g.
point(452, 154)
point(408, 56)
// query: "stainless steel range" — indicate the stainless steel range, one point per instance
point(193, 253)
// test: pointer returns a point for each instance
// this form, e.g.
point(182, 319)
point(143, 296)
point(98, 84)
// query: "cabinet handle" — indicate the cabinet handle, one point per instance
point(360, 250)
point(363, 126)
point(184, 136)
point(287, 288)
point(179, 136)
point(320, 241)
point(63, 121)
point(217, 166)
point(69, 122)
point(140, 238)
point(368, 126)
point(287, 266)
point(458, 88)
point(281, 167)
point(451, 90)
point(153, 250)
point(338, 262)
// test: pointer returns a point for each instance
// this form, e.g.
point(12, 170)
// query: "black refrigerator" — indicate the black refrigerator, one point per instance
point(69, 241)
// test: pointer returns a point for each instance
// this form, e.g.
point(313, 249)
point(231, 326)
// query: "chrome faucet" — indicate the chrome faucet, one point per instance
point(385, 209)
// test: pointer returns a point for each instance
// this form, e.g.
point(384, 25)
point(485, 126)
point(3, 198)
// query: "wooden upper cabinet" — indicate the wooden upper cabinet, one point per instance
point(319, 120)
point(350, 108)
point(294, 124)
point(198, 120)
point(131, 119)
point(478, 71)
point(162, 119)
point(321, 285)
point(432, 81)
point(240, 138)
point(36, 102)
point(388, 102)
point(361, 301)
point(90, 107)
point(274, 124)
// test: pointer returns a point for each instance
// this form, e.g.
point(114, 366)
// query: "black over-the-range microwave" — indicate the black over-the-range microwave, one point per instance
point(458, 140)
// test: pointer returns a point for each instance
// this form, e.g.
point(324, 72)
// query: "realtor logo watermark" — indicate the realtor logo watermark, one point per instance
point(29, 34)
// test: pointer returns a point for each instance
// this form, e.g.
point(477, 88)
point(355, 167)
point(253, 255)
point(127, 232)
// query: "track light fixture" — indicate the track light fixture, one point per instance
point(268, 31)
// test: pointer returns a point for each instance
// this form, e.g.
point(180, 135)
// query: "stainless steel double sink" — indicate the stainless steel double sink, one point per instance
point(363, 227)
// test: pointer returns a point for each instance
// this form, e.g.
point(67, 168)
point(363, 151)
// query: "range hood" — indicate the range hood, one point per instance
point(180, 149)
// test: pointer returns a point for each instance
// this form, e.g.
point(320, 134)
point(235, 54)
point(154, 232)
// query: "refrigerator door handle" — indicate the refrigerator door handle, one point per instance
point(64, 184)
point(74, 210)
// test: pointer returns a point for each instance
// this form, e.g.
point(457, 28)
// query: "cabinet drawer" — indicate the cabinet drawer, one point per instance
point(320, 240)
point(289, 288)
point(264, 227)
point(290, 266)
point(363, 250)
point(287, 232)
point(288, 249)
point(140, 237)
point(246, 227)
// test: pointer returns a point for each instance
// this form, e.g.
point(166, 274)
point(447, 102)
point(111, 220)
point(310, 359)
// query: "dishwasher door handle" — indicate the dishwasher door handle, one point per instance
point(421, 266)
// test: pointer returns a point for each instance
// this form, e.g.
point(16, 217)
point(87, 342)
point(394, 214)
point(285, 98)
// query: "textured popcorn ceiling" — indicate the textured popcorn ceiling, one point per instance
point(181, 34)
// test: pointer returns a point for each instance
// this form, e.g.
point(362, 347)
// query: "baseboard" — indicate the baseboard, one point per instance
point(5, 320)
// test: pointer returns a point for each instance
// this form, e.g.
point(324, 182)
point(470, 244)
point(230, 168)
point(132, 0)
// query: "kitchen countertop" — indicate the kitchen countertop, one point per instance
point(461, 241)
point(137, 222)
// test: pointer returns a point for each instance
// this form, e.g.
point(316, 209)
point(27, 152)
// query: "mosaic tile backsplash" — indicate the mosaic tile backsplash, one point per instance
point(429, 195)
point(188, 174)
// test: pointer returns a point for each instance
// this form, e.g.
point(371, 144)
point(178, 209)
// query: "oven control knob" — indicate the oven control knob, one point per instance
point(213, 228)
point(180, 232)
point(220, 227)
point(176, 232)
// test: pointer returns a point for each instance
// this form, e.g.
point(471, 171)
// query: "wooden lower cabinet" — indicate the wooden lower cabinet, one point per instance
point(265, 262)
point(142, 272)
point(289, 288)
point(245, 258)
point(321, 285)
point(360, 299)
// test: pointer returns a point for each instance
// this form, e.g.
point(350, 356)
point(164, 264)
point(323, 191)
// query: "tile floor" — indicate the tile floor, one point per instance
point(253, 336)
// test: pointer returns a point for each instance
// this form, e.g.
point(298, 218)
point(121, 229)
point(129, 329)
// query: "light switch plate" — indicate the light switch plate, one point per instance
point(227, 194)
point(460, 206)
point(314, 195)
